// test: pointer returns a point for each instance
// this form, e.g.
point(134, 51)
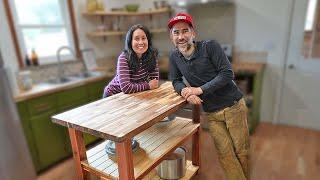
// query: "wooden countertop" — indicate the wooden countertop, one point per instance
point(123, 116)
point(247, 67)
point(238, 66)
point(45, 88)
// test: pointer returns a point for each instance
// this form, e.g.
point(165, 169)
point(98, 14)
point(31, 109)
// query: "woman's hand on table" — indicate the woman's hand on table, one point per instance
point(154, 83)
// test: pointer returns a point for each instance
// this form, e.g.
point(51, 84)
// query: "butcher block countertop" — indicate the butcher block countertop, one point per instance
point(46, 88)
point(123, 116)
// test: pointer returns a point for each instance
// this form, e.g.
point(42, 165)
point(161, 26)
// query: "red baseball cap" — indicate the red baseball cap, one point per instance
point(181, 17)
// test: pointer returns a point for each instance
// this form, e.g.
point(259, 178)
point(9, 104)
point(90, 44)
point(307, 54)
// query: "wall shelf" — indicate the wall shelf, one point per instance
point(119, 33)
point(126, 13)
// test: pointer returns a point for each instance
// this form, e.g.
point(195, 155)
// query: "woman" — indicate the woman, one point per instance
point(137, 68)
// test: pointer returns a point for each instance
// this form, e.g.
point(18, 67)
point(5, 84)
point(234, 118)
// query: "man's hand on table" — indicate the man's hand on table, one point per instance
point(193, 99)
point(188, 91)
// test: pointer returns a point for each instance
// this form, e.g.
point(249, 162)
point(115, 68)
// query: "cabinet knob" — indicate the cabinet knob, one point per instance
point(291, 66)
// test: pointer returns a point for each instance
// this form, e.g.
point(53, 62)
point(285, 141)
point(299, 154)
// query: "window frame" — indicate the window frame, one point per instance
point(16, 31)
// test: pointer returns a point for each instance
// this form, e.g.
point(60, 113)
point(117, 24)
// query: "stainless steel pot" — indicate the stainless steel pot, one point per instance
point(173, 166)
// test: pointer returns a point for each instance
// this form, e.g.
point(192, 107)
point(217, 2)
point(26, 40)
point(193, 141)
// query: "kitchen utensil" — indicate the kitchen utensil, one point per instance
point(174, 165)
point(89, 59)
point(132, 7)
point(24, 80)
point(111, 147)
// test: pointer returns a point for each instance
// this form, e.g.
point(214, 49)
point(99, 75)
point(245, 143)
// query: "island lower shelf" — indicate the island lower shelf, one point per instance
point(155, 142)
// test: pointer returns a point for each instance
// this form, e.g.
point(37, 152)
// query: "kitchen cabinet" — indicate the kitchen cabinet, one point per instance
point(25, 121)
point(132, 116)
point(48, 143)
point(115, 29)
point(50, 140)
point(252, 74)
point(95, 90)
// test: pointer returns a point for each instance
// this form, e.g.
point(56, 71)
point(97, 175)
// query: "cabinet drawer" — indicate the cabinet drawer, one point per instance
point(72, 95)
point(41, 104)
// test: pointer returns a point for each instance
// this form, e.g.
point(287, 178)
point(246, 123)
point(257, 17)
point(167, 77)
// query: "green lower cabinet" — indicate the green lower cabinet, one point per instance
point(88, 138)
point(49, 142)
point(95, 90)
point(50, 139)
point(25, 121)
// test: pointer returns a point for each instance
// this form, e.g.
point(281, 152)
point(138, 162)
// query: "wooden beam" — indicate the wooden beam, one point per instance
point(74, 29)
point(125, 160)
point(196, 148)
point(196, 137)
point(13, 33)
point(196, 113)
point(79, 152)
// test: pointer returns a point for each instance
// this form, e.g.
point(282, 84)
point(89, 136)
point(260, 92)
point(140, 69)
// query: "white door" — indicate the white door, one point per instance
point(300, 98)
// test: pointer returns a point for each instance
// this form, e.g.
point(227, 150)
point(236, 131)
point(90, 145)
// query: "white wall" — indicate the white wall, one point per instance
point(7, 49)
point(214, 21)
point(263, 26)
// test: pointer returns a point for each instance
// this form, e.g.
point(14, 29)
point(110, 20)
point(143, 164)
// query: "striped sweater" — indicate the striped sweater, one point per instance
point(128, 82)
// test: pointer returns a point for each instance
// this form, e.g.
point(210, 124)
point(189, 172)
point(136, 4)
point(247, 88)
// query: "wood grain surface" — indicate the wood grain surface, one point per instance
point(154, 144)
point(123, 116)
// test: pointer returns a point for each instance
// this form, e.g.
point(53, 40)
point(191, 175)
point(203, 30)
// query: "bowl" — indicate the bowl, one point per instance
point(132, 7)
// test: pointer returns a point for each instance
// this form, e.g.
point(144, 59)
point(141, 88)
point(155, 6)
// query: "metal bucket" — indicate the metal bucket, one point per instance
point(173, 166)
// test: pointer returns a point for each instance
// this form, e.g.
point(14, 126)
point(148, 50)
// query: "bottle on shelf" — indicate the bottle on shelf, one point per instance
point(34, 57)
point(27, 61)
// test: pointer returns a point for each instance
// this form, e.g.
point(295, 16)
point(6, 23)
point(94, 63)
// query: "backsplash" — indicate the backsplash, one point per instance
point(44, 73)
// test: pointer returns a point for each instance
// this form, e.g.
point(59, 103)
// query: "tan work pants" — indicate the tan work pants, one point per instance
point(229, 129)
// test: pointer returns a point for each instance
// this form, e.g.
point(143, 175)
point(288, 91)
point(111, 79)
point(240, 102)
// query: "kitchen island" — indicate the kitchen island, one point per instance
point(122, 117)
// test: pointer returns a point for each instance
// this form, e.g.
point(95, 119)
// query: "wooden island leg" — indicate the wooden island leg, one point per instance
point(125, 160)
point(196, 137)
point(79, 152)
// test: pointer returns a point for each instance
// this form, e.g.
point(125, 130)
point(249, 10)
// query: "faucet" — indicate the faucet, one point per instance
point(60, 65)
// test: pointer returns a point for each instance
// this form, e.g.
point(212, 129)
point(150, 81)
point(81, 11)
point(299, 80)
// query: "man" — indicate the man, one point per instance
point(210, 83)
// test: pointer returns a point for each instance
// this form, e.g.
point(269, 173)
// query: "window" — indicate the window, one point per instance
point(311, 40)
point(42, 25)
point(310, 15)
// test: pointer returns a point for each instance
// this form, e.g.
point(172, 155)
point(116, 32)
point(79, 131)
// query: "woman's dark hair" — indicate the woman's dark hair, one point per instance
point(148, 58)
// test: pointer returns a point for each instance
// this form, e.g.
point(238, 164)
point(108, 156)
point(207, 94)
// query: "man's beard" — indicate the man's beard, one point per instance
point(184, 49)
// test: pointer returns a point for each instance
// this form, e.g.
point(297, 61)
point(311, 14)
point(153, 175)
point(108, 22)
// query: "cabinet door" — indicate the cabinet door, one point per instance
point(42, 104)
point(25, 121)
point(71, 96)
point(50, 139)
point(95, 90)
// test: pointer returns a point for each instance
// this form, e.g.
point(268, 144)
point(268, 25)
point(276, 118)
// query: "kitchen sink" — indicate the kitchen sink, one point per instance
point(62, 80)
point(71, 78)
point(88, 74)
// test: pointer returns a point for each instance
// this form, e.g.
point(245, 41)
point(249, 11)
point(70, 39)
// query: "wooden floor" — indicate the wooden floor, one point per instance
point(277, 152)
